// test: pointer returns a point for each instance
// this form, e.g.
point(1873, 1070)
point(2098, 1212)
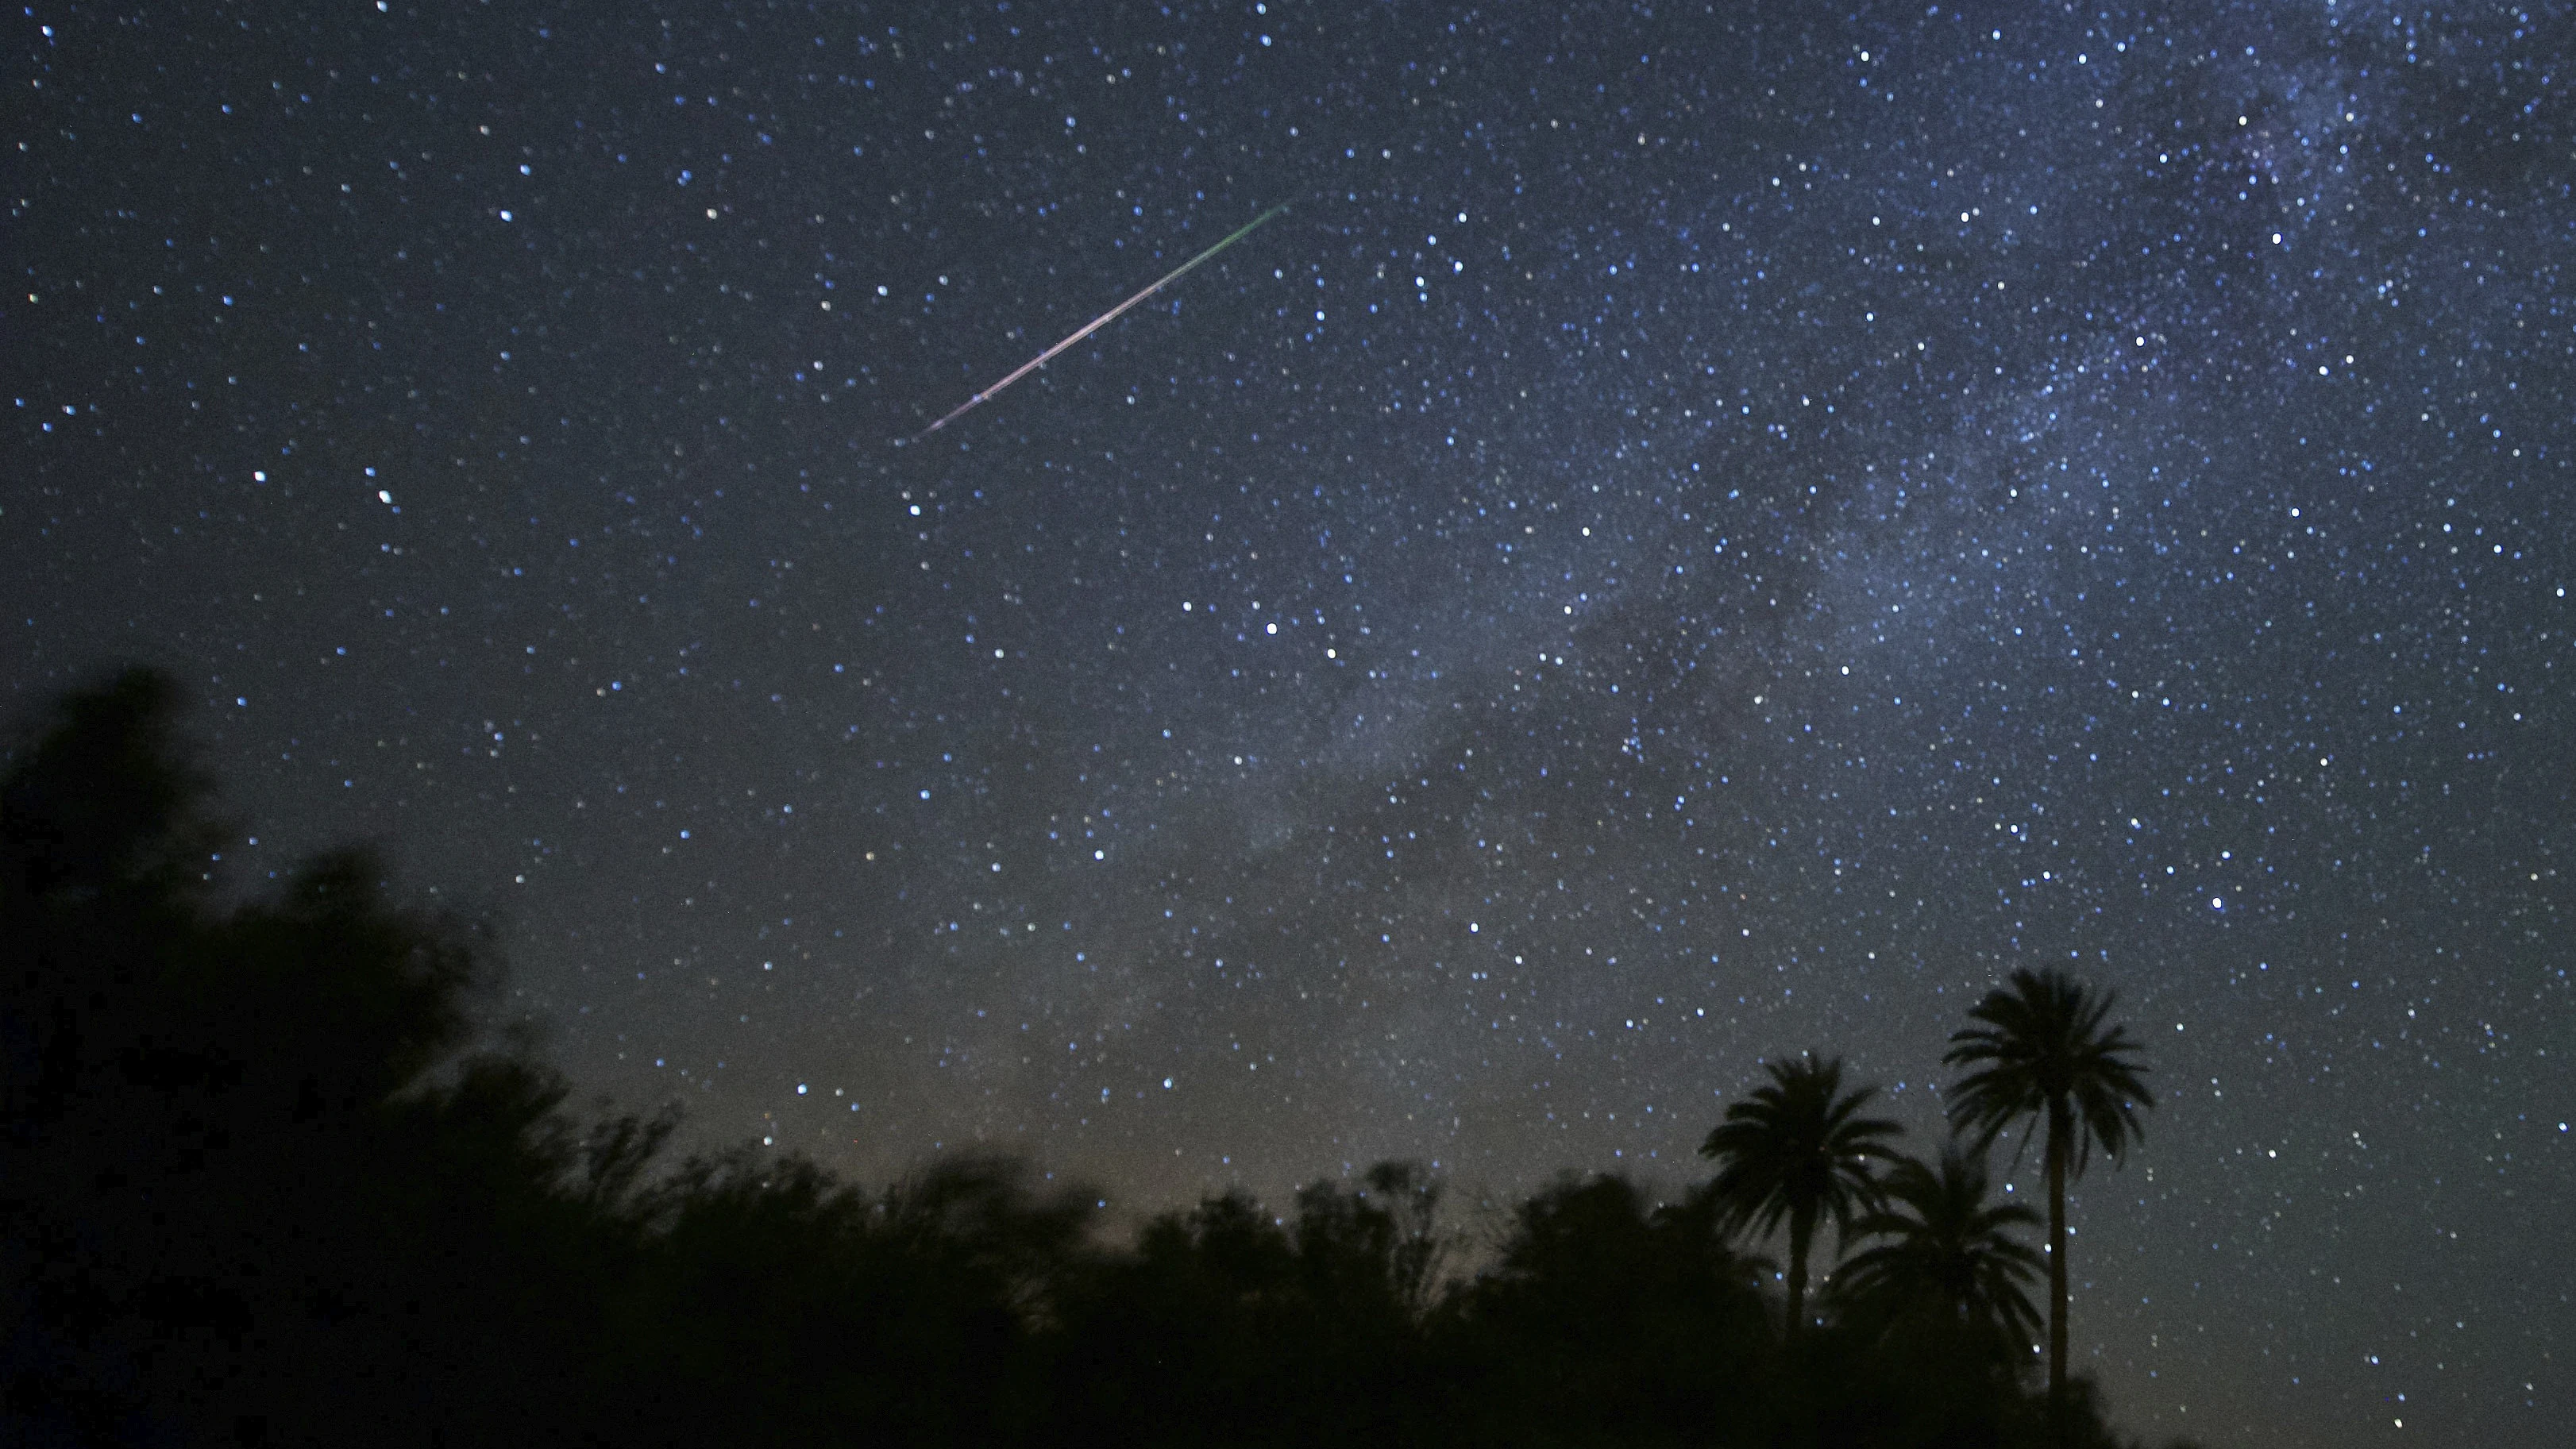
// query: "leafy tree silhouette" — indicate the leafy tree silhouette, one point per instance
point(193, 1099)
point(2041, 1053)
point(1378, 1250)
point(774, 1304)
point(263, 1187)
point(1290, 1330)
point(1798, 1149)
point(1605, 1319)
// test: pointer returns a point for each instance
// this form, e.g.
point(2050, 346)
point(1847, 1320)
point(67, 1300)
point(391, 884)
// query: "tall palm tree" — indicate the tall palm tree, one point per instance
point(1950, 1252)
point(2041, 1053)
point(1797, 1148)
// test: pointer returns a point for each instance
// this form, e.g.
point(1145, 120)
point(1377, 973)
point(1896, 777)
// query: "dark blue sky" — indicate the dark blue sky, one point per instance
point(1699, 536)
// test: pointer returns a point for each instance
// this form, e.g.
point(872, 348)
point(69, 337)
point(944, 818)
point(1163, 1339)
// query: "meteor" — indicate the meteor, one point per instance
point(1096, 323)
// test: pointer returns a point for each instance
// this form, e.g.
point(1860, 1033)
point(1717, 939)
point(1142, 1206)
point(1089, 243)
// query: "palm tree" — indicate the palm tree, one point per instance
point(2041, 1052)
point(1949, 1252)
point(1798, 1149)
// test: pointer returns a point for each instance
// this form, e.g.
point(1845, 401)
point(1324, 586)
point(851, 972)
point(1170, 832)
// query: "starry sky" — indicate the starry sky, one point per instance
point(1702, 534)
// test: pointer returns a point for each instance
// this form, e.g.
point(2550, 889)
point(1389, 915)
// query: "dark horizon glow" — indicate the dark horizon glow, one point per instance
point(1732, 529)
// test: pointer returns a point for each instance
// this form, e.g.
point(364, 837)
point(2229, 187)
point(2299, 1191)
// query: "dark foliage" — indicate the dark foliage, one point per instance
point(2044, 1052)
point(1798, 1148)
point(262, 1189)
point(1609, 1320)
point(1949, 1259)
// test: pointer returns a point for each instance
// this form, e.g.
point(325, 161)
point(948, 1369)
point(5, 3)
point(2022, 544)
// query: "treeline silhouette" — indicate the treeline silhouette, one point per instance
point(264, 1183)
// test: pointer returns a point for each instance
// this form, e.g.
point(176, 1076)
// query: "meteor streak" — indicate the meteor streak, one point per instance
point(1096, 323)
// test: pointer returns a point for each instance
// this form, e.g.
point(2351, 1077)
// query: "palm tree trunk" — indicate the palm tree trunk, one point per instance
point(2061, 1126)
point(1802, 1231)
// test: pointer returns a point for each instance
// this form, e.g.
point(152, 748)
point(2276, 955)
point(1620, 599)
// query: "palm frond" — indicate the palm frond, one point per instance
point(2038, 1044)
point(1947, 1252)
point(1797, 1143)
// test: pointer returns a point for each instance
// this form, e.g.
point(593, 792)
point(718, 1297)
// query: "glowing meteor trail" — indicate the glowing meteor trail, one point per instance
point(1096, 323)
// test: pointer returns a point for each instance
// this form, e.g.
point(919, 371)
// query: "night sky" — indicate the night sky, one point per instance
point(1699, 536)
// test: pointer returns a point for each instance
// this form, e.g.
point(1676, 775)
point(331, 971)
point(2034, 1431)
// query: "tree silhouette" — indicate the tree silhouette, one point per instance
point(1948, 1254)
point(1287, 1330)
point(1376, 1252)
point(267, 1180)
point(2042, 1053)
point(200, 1157)
point(1605, 1319)
point(1798, 1149)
